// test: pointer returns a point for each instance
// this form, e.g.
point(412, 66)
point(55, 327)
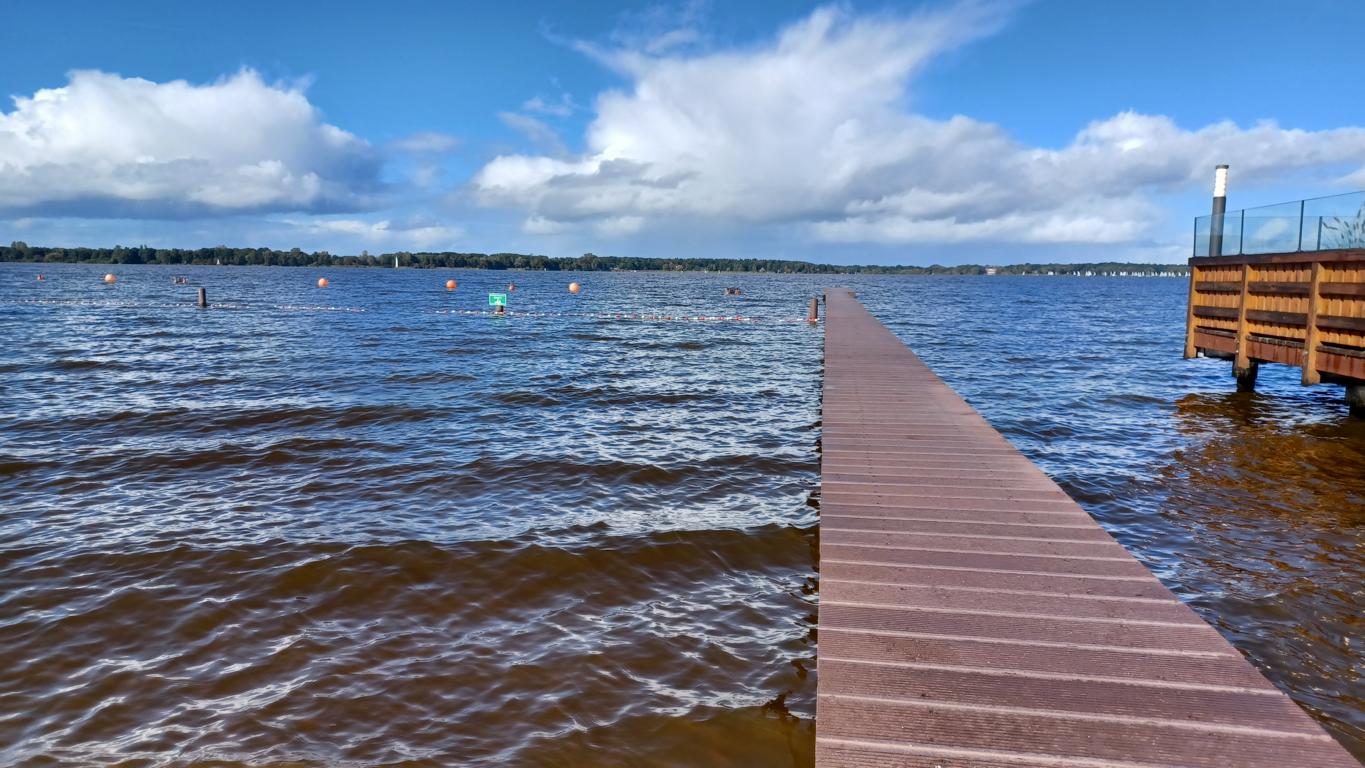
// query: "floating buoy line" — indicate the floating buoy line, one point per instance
point(500, 311)
point(653, 317)
point(648, 317)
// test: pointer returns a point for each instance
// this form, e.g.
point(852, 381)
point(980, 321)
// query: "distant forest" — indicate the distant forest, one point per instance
point(588, 262)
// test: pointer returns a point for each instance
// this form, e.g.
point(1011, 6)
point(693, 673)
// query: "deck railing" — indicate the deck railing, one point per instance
point(1318, 224)
point(1298, 308)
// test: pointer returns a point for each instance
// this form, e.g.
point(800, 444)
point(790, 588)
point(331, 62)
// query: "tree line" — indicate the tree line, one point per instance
point(588, 262)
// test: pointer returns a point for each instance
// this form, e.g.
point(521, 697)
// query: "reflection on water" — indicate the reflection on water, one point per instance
point(355, 526)
point(1272, 504)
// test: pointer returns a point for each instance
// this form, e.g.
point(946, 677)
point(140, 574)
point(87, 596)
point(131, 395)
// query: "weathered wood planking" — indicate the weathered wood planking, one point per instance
point(1302, 309)
point(971, 614)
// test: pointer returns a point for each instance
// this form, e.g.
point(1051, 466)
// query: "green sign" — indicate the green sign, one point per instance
point(497, 299)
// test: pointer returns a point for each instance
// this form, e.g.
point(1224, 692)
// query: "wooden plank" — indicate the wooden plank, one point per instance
point(1340, 363)
point(1190, 350)
point(1216, 313)
point(1057, 737)
point(1262, 287)
point(1298, 319)
point(1279, 288)
point(1219, 344)
point(973, 615)
point(1242, 362)
point(1263, 351)
point(1311, 341)
point(1342, 290)
point(1337, 256)
point(1356, 324)
point(1217, 286)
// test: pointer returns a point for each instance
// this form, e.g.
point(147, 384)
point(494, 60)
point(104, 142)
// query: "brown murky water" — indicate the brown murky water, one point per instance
point(352, 527)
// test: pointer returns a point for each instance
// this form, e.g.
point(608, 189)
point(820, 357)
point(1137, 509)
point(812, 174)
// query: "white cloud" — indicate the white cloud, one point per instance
point(658, 29)
point(105, 145)
point(539, 225)
point(427, 143)
point(540, 134)
point(561, 108)
point(618, 226)
point(814, 131)
point(410, 234)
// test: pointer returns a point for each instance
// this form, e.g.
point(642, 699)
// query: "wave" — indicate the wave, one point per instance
point(217, 421)
point(510, 645)
point(433, 377)
point(65, 364)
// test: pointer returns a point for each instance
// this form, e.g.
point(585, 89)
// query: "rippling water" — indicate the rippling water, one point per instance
point(358, 526)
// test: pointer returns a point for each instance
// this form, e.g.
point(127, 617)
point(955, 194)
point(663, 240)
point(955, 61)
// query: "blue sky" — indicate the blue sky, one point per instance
point(855, 132)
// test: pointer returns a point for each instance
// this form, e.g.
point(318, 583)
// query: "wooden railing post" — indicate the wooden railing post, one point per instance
point(1242, 367)
point(1190, 350)
point(1310, 337)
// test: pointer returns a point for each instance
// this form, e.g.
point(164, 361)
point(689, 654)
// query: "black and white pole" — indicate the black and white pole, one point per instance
point(1220, 206)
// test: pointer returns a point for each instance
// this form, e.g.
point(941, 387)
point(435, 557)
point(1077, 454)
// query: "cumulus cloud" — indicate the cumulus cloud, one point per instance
point(539, 225)
point(815, 130)
point(104, 145)
point(416, 233)
point(427, 143)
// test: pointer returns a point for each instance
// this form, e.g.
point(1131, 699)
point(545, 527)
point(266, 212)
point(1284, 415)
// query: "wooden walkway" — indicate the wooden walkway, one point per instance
point(971, 614)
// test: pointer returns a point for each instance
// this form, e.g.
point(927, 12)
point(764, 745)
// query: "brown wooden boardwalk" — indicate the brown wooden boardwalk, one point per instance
point(971, 614)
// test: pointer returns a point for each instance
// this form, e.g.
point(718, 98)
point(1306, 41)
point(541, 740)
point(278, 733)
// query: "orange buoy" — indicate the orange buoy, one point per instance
point(575, 287)
point(451, 285)
point(109, 278)
point(322, 282)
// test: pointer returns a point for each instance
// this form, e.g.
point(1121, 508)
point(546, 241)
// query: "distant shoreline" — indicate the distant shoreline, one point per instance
point(588, 262)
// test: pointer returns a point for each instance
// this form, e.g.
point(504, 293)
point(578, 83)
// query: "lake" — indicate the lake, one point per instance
point(373, 524)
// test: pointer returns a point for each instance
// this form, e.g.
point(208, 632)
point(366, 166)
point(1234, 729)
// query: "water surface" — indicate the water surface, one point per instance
point(371, 525)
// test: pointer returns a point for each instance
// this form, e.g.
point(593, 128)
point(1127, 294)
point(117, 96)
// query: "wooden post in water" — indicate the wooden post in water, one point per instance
point(203, 297)
point(1242, 366)
point(813, 316)
point(1310, 336)
point(1355, 399)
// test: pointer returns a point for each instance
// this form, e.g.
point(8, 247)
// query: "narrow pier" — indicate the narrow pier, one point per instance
point(972, 614)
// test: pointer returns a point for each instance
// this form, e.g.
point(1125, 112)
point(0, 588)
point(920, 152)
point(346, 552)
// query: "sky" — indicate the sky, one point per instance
point(978, 131)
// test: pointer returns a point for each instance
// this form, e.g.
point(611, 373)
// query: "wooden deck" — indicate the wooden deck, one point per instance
point(1301, 309)
point(971, 614)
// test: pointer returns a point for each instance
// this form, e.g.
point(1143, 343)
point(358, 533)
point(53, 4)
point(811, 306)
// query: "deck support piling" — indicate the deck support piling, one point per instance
point(1355, 399)
point(813, 316)
point(1246, 377)
point(203, 298)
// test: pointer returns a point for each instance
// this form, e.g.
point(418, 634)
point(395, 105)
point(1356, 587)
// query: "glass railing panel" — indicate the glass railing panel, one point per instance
point(1336, 222)
point(1201, 235)
point(1271, 228)
point(1318, 224)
